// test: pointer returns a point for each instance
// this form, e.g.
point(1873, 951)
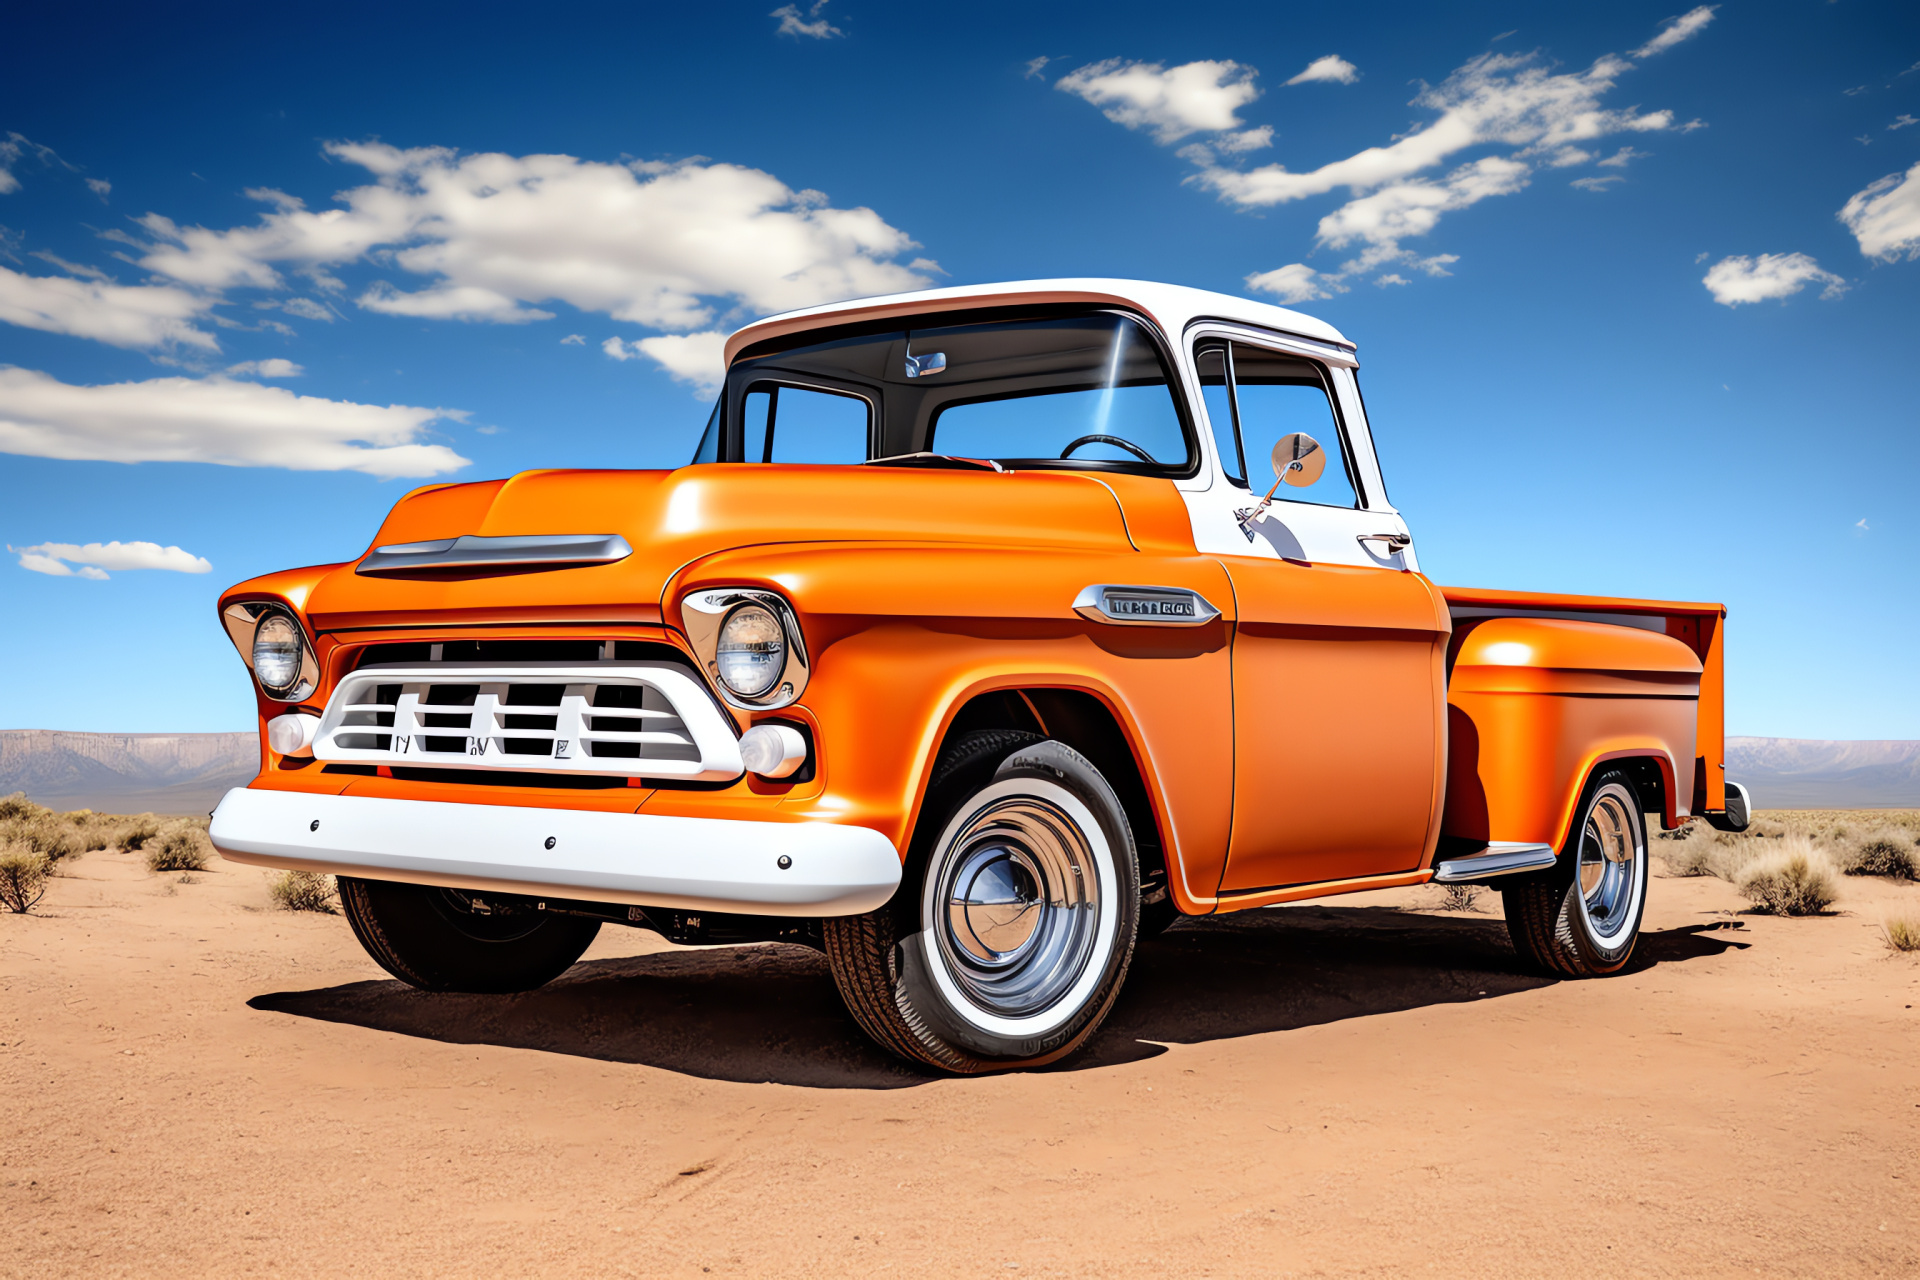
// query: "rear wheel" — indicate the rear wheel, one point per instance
point(1580, 918)
point(461, 940)
point(1014, 928)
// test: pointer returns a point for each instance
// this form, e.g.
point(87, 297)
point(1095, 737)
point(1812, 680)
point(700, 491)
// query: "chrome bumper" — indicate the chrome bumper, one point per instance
point(710, 864)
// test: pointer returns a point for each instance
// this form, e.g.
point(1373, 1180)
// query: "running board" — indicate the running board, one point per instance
point(1501, 858)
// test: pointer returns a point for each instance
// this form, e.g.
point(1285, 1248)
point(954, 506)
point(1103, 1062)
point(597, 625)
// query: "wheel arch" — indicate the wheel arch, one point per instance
point(1093, 721)
point(1649, 766)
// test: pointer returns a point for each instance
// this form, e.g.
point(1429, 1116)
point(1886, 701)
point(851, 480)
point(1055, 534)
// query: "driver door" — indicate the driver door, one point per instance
point(1338, 676)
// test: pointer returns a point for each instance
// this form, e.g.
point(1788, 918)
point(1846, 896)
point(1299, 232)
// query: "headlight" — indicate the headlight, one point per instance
point(752, 651)
point(277, 650)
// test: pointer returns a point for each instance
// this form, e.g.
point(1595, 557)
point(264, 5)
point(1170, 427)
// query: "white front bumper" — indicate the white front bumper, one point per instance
point(710, 864)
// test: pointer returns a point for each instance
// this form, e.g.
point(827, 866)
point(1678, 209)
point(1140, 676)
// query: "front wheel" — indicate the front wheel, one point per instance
point(461, 940)
point(1013, 942)
point(1580, 918)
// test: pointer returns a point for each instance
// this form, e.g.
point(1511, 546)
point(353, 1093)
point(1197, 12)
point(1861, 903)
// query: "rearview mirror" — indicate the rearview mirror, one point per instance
point(1298, 459)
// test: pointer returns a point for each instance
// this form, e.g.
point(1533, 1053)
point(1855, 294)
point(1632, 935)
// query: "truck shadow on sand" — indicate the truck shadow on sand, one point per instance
point(770, 1013)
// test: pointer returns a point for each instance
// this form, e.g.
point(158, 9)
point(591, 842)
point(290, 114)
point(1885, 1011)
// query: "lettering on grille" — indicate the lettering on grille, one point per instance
point(609, 718)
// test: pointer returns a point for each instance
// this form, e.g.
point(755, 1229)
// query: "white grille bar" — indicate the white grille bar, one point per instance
point(608, 719)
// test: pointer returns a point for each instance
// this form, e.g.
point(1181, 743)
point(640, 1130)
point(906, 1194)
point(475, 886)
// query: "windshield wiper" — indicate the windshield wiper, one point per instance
point(938, 461)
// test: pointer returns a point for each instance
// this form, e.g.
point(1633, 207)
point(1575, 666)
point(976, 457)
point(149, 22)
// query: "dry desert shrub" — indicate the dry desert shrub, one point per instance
point(1901, 933)
point(23, 878)
point(180, 850)
point(1792, 879)
point(135, 837)
point(1460, 897)
point(18, 806)
point(302, 891)
point(1887, 851)
point(44, 832)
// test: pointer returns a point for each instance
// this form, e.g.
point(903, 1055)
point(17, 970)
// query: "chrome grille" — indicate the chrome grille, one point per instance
point(612, 718)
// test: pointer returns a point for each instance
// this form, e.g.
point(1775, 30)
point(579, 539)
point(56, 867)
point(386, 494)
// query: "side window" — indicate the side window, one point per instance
point(1212, 363)
point(1278, 395)
point(803, 424)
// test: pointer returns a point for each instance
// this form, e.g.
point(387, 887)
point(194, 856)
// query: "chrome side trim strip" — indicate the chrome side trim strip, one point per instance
point(1144, 606)
point(1502, 858)
point(471, 552)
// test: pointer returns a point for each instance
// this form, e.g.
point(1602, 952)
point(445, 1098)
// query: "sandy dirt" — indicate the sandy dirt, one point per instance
point(192, 1083)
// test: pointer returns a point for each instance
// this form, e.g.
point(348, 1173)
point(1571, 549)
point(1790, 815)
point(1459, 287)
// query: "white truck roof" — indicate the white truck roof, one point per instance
point(1173, 307)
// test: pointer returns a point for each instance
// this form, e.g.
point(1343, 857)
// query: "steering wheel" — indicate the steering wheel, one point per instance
point(1115, 441)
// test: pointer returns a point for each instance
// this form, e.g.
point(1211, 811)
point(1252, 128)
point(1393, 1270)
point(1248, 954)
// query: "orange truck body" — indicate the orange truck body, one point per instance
point(1335, 728)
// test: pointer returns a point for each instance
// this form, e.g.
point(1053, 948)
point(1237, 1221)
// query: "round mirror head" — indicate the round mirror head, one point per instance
point(1298, 459)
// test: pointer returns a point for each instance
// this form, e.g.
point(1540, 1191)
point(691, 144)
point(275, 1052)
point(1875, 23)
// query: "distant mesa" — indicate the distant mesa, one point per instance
point(1807, 773)
point(184, 773)
point(188, 772)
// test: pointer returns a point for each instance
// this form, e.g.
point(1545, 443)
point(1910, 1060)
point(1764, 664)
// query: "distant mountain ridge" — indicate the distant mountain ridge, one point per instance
point(126, 772)
point(189, 772)
point(1808, 773)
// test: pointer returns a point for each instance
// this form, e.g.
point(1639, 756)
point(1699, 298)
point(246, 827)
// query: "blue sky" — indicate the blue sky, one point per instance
point(1635, 290)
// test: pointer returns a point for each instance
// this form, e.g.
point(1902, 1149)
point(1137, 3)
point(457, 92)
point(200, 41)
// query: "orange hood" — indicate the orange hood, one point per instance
point(672, 518)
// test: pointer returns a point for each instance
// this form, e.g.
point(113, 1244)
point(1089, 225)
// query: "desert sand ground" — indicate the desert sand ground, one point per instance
point(197, 1084)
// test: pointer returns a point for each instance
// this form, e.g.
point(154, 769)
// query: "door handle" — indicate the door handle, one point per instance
point(1396, 542)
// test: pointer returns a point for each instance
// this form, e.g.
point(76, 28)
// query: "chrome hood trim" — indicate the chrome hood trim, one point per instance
point(471, 552)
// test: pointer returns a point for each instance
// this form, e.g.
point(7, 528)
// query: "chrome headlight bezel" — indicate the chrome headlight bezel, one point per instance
point(706, 611)
point(243, 621)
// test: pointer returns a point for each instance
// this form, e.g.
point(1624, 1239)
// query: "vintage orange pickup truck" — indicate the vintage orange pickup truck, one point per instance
point(974, 643)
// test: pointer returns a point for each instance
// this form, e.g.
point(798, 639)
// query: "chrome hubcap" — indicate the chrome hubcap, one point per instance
point(1609, 864)
point(1019, 906)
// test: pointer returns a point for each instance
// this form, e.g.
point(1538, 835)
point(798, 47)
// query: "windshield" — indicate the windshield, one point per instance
point(1086, 391)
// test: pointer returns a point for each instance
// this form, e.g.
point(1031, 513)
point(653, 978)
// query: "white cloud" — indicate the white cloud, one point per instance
point(1035, 66)
point(574, 340)
point(1735, 280)
point(1684, 27)
point(12, 148)
point(793, 23)
point(1541, 118)
point(664, 245)
point(1494, 99)
point(273, 368)
point(1392, 277)
point(99, 186)
point(1885, 216)
point(96, 558)
point(698, 359)
point(123, 315)
point(1332, 68)
point(216, 420)
point(1620, 158)
point(1596, 182)
point(1902, 122)
point(618, 350)
point(307, 309)
point(1295, 282)
point(71, 268)
point(1194, 97)
point(450, 302)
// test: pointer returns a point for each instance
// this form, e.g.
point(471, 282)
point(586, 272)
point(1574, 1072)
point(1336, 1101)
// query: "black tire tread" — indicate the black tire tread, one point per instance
point(1539, 908)
point(524, 965)
point(860, 948)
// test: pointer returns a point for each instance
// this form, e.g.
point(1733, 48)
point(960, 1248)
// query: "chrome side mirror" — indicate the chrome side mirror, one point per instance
point(1298, 460)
